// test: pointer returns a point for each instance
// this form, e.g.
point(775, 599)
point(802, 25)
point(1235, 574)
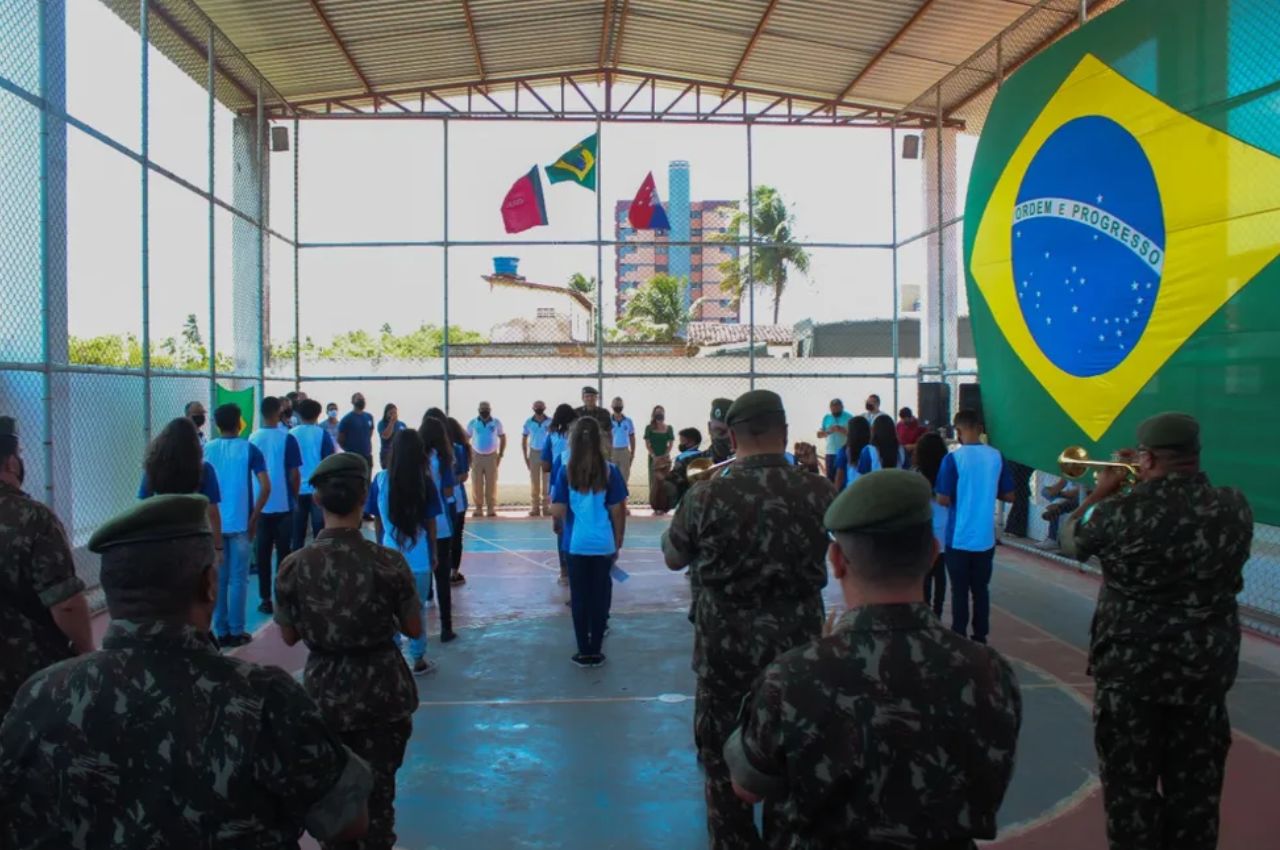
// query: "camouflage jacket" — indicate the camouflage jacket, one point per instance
point(347, 597)
point(758, 549)
point(157, 740)
point(601, 416)
point(857, 734)
point(36, 572)
point(1173, 551)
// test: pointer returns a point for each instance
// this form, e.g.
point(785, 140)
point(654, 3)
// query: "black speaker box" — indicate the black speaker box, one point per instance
point(935, 405)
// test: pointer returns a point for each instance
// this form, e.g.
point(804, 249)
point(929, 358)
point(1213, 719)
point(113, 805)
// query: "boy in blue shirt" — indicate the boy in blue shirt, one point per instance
point(689, 443)
point(314, 445)
point(283, 460)
point(241, 469)
point(970, 480)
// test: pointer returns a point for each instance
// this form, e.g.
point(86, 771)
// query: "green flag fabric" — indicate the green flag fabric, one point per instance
point(1121, 239)
point(577, 164)
point(244, 398)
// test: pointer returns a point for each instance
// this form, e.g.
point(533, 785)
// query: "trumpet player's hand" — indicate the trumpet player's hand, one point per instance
point(1110, 480)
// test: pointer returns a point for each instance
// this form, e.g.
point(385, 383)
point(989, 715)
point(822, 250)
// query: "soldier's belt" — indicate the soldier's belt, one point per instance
point(352, 651)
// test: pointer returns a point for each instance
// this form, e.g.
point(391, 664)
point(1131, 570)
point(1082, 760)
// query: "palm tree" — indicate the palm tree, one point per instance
point(656, 312)
point(579, 282)
point(772, 223)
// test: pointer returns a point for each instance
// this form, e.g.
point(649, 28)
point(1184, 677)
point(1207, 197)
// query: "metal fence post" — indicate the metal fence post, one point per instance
point(751, 266)
point(259, 149)
point(144, 10)
point(213, 263)
point(599, 265)
point(445, 345)
point(942, 254)
point(893, 219)
point(297, 300)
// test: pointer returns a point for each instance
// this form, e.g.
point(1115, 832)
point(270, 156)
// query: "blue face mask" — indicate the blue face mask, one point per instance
point(333, 414)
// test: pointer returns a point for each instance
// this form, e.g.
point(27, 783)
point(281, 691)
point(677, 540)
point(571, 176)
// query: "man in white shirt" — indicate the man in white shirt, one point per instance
point(489, 444)
point(195, 412)
point(624, 440)
point(532, 438)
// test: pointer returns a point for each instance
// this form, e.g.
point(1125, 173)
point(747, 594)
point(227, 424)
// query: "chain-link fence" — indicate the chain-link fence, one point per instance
point(171, 226)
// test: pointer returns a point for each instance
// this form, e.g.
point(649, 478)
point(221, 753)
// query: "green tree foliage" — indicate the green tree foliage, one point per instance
point(772, 222)
point(579, 282)
point(656, 311)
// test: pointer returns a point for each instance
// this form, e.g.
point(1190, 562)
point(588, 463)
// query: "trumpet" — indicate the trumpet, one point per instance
point(703, 467)
point(1074, 462)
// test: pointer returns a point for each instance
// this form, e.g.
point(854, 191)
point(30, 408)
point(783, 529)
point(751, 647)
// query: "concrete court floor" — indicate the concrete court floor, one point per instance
point(514, 747)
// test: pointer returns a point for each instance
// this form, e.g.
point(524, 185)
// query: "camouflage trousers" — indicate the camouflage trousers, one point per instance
point(730, 822)
point(383, 748)
point(1161, 768)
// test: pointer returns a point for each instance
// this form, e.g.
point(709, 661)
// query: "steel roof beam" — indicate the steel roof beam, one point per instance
point(201, 50)
point(755, 36)
point(475, 42)
point(342, 47)
point(884, 51)
point(622, 30)
point(606, 24)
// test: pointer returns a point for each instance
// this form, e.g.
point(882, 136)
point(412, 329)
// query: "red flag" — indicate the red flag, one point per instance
point(523, 207)
point(646, 212)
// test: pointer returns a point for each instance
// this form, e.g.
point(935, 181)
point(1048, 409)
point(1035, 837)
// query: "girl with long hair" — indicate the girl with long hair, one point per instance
point(439, 453)
point(175, 464)
point(590, 498)
point(884, 452)
point(849, 455)
point(658, 437)
point(554, 452)
point(461, 472)
point(388, 427)
point(405, 504)
point(930, 451)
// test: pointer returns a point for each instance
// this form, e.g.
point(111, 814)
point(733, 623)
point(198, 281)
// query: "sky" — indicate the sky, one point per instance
point(384, 181)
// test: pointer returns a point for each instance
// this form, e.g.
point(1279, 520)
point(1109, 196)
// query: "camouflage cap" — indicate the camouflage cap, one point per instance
point(720, 409)
point(1170, 431)
point(342, 465)
point(753, 404)
point(168, 517)
point(883, 501)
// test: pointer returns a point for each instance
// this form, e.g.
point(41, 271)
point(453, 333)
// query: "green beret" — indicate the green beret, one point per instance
point(341, 465)
point(590, 391)
point(753, 404)
point(1170, 431)
point(720, 409)
point(882, 501)
point(168, 517)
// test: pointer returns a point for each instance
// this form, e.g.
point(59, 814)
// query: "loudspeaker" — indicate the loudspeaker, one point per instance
point(911, 146)
point(279, 138)
point(971, 399)
point(935, 405)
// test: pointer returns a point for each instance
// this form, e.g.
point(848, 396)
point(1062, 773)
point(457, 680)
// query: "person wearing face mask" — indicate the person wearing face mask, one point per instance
point(330, 424)
point(658, 437)
point(873, 408)
point(624, 439)
point(591, 408)
point(196, 413)
point(488, 445)
point(532, 438)
point(671, 480)
point(355, 432)
point(44, 616)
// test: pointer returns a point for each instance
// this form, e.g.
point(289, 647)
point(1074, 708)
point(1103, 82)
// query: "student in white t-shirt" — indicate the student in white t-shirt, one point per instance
point(970, 481)
point(590, 497)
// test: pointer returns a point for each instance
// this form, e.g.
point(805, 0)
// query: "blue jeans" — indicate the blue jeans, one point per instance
point(307, 508)
point(970, 574)
point(418, 645)
point(589, 595)
point(832, 470)
point(233, 585)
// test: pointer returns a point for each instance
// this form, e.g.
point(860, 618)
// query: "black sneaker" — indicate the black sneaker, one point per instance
point(450, 635)
point(595, 660)
point(244, 639)
point(423, 667)
point(582, 659)
point(267, 608)
point(457, 578)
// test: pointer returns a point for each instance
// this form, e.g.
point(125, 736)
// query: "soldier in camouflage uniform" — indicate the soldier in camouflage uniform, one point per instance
point(752, 537)
point(1165, 639)
point(347, 598)
point(892, 731)
point(671, 479)
point(158, 740)
point(44, 617)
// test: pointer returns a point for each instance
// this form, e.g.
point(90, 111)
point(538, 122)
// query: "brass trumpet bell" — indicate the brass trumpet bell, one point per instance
point(1074, 463)
point(702, 467)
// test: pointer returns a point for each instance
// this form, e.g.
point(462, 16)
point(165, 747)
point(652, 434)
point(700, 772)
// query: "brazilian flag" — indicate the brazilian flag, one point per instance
point(1121, 239)
point(577, 164)
point(244, 398)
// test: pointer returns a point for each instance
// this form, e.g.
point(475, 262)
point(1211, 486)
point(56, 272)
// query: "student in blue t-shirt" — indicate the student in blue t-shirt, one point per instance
point(554, 449)
point(590, 497)
point(315, 445)
point(355, 431)
point(931, 450)
point(858, 438)
point(388, 426)
point(405, 504)
point(284, 459)
point(174, 464)
point(688, 444)
point(883, 452)
point(435, 439)
point(970, 481)
point(461, 472)
point(241, 471)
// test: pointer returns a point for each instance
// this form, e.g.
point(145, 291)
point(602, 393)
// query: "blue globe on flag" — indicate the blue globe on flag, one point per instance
point(1088, 245)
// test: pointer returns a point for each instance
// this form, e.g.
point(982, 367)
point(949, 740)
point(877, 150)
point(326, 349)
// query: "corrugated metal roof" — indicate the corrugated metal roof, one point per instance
point(895, 50)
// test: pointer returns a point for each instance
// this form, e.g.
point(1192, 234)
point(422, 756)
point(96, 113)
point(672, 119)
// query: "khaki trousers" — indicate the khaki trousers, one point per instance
point(539, 486)
point(622, 459)
point(484, 472)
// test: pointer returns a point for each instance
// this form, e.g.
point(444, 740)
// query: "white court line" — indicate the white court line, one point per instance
point(664, 698)
point(520, 555)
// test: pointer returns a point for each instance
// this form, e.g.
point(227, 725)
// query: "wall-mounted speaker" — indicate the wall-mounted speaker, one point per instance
point(911, 146)
point(279, 139)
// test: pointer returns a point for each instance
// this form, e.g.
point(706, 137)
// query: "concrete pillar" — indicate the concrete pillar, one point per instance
point(248, 245)
point(938, 325)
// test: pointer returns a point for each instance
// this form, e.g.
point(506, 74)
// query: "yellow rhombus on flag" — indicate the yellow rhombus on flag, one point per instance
point(1214, 201)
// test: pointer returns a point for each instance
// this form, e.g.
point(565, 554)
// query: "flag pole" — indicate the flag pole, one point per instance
point(599, 269)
